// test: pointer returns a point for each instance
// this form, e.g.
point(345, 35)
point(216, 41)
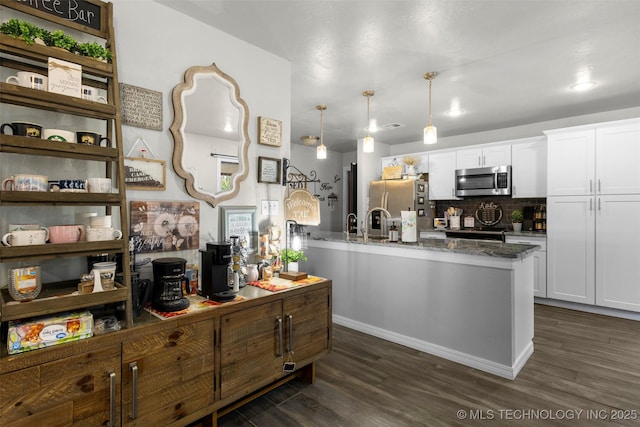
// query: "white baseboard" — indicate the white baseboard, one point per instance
point(605, 311)
point(504, 371)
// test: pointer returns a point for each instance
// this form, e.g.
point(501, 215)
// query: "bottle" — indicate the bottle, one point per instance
point(393, 232)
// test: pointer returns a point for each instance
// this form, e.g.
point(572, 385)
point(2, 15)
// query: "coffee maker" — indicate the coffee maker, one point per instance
point(215, 265)
point(168, 280)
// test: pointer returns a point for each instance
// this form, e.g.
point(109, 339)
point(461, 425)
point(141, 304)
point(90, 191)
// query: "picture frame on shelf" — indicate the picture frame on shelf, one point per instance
point(141, 173)
point(269, 170)
point(240, 221)
point(269, 132)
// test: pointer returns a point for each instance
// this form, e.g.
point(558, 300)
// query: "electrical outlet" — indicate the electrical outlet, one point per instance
point(273, 207)
point(264, 208)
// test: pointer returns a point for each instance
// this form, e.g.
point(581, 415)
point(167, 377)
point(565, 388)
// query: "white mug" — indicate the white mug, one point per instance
point(26, 237)
point(30, 80)
point(102, 233)
point(58, 135)
point(91, 94)
point(26, 182)
point(99, 185)
point(100, 221)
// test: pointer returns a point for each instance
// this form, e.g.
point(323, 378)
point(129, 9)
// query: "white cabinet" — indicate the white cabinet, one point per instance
point(483, 157)
point(433, 235)
point(529, 168)
point(539, 262)
point(442, 178)
point(617, 156)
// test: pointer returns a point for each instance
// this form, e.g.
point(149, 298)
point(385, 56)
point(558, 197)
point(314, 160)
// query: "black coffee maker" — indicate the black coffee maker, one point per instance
point(215, 265)
point(168, 280)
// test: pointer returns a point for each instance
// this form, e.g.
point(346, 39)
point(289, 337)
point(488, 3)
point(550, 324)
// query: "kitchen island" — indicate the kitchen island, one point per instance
point(468, 301)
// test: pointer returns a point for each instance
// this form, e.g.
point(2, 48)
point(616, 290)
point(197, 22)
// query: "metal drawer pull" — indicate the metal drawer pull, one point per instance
point(112, 399)
point(133, 367)
point(290, 342)
point(280, 337)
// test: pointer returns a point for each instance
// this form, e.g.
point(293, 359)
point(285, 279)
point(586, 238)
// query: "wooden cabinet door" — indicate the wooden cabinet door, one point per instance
point(307, 325)
point(175, 374)
point(82, 390)
point(251, 349)
point(529, 169)
point(617, 154)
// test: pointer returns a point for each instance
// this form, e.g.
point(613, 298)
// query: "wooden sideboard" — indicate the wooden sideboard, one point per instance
point(171, 372)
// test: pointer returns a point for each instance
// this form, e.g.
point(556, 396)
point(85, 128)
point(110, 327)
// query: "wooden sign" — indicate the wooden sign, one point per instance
point(78, 11)
point(141, 107)
point(302, 207)
point(164, 226)
point(392, 172)
point(269, 132)
point(65, 77)
point(144, 174)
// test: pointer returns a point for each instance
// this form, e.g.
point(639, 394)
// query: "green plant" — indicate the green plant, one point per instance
point(94, 50)
point(22, 30)
point(517, 216)
point(291, 255)
point(59, 39)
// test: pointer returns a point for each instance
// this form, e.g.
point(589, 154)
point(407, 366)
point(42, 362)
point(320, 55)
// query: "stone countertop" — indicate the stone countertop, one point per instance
point(456, 246)
point(540, 234)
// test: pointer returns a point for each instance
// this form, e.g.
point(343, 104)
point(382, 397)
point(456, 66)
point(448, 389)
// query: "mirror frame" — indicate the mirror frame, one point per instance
point(178, 137)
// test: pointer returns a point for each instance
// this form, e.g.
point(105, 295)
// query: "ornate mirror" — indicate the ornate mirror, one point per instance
point(210, 133)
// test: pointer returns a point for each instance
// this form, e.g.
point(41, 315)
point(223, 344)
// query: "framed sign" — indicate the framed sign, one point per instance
point(269, 170)
point(145, 174)
point(269, 132)
point(239, 221)
point(164, 226)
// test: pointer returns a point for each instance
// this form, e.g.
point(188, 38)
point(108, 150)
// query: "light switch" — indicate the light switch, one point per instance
point(264, 208)
point(273, 207)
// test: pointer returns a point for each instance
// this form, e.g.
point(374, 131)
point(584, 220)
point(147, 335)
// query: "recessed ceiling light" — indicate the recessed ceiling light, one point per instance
point(582, 86)
point(455, 113)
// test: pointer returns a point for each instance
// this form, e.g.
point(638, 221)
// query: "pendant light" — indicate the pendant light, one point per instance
point(367, 142)
point(430, 132)
point(321, 151)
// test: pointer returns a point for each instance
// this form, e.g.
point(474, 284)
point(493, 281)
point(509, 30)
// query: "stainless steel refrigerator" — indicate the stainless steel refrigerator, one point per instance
point(397, 195)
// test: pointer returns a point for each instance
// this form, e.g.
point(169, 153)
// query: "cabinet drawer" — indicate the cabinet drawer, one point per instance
point(540, 241)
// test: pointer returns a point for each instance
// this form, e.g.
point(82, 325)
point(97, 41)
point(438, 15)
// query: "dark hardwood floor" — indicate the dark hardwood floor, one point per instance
point(585, 370)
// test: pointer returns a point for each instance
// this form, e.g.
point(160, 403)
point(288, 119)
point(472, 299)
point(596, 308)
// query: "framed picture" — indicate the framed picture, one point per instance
point(421, 188)
point(145, 174)
point(239, 221)
point(269, 170)
point(164, 226)
point(269, 132)
point(420, 200)
point(420, 212)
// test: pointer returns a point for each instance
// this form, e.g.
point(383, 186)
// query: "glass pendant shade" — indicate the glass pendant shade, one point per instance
point(367, 144)
point(321, 152)
point(430, 134)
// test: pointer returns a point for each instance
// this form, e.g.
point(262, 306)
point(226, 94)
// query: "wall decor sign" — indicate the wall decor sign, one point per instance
point(164, 226)
point(145, 174)
point(141, 107)
point(65, 78)
point(269, 132)
point(302, 207)
point(269, 170)
point(239, 221)
point(79, 11)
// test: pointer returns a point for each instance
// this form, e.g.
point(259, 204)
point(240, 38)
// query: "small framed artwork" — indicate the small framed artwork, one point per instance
point(145, 174)
point(269, 170)
point(420, 200)
point(239, 221)
point(420, 212)
point(421, 188)
point(269, 132)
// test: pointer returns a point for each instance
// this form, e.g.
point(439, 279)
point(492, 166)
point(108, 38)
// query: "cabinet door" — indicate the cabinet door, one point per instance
point(469, 158)
point(571, 163)
point(539, 263)
point(571, 249)
point(617, 154)
point(77, 390)
point(499, 155)
point(442, 176)
point(175, 374)
point(618, 252)
point(529, 169)
point(307, 324)
point(251, 349)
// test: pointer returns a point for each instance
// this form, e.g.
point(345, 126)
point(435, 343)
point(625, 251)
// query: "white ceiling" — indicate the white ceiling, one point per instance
point(506, 62)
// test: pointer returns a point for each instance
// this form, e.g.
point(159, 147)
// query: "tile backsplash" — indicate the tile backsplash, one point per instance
point(470, 204)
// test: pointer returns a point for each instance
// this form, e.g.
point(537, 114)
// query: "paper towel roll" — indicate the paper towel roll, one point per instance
point(409, 229)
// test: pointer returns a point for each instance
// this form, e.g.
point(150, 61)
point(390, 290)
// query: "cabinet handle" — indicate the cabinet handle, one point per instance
point(112, 399)
point(280, 337)
point(599, 186)
point(599, 204)
point(513, 190)
point(484, 160)
point(479, 161)
point(590, 186)
point(133, 367)
point(590, 205)
point(290, 341)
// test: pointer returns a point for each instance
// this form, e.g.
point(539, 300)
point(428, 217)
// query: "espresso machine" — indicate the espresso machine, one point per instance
point(168, 282)
point(215, 265)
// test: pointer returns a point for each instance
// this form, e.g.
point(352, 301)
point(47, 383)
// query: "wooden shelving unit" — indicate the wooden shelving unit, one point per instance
point(17, 55)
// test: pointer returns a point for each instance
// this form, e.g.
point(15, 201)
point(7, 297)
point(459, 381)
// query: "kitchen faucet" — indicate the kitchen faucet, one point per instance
point(355, 219)
point(365, 237)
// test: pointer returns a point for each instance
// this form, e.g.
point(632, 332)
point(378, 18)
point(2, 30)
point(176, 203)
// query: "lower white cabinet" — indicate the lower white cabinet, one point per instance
point(539, 262)
point(593, 252)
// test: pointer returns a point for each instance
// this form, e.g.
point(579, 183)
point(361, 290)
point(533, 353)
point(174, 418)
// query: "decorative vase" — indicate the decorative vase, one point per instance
point(411, 170)
point(292, 266)
point(517, 227)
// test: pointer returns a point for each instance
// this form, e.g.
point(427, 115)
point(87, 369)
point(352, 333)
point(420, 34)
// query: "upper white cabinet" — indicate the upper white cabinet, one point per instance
point(597, 159)
point(483, 157)
point(529, 168)
point(442, 170)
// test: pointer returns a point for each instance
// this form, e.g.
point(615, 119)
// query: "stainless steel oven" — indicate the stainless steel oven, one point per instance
point(494, 181)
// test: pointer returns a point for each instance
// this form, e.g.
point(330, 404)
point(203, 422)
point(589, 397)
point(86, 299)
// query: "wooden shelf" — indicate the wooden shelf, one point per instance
point(58, 297)
point(43, 147)
point(51, 198)
point(60, 250)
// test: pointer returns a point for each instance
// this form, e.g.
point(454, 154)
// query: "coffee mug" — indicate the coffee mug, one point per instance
point(25, 182)
point(31, 130)
point(95, 234)
point(59, 135)
point(66, 233)
point(68, 185)
point(92, 138)
point(91, 94)
point(26, 237)
point(100, 221)
point(30, 80)
point(17, 227)
point(99, 185)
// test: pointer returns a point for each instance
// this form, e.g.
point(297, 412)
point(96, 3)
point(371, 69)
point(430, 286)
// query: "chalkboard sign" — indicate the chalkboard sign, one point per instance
point(78, 11)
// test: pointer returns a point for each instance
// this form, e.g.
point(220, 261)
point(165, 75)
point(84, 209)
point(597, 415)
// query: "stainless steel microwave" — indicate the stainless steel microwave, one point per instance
point(494, 181)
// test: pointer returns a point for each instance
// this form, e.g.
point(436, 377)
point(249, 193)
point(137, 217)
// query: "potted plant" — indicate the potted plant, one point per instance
point(22, 30)
point(291, 257)
point(516, 220)
point(411, 163)
point(60, 40)
point(94, 50)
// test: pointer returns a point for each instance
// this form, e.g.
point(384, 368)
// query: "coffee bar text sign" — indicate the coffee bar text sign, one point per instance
point(78, 11)
point(302, 207)
point(65, 78)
